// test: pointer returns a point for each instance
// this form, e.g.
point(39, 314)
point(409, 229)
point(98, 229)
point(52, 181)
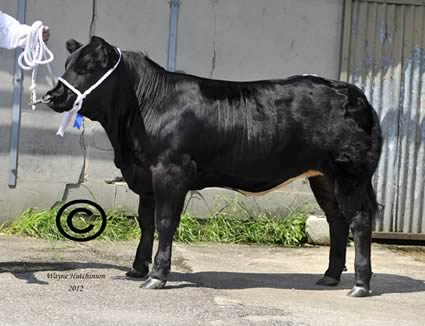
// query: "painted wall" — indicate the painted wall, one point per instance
point(232, 39)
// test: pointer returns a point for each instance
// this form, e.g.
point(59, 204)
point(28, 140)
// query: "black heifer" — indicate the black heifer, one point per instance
point(173, 132)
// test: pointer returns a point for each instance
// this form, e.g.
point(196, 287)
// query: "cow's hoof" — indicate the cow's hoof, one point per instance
point(359, 292)
point(153, 284)
point(136, 274)
point(327, 281)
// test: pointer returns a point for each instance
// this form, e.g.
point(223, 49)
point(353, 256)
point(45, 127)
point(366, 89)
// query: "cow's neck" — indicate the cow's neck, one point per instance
point(149, 80)
point(142, 85)
point(124, 125)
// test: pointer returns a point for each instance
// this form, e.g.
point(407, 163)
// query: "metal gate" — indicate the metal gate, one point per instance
point(383, 53)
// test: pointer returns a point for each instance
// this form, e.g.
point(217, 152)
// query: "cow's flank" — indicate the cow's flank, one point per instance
point(174, 132)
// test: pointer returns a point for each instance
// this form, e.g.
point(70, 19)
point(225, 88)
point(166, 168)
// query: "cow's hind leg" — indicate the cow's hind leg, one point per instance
point(323, 189)
point(170, 191)
point(147, 227)
point(357, 202)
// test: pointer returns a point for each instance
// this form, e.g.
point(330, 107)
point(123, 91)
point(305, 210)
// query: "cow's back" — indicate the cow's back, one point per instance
point(258, 130)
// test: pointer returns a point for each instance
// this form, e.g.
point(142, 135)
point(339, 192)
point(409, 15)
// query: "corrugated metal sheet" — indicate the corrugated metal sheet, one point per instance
point(383, 53)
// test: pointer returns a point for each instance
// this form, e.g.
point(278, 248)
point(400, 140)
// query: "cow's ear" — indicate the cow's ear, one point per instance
point(72, 45)
point(97, 41)
point(104, 51)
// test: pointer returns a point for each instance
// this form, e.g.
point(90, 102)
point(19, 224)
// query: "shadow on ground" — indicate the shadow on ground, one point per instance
point(26, 270)
point(380, 283)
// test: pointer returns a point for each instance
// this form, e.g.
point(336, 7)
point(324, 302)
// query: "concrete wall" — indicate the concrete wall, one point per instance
point(243, 40)
point(232, 39)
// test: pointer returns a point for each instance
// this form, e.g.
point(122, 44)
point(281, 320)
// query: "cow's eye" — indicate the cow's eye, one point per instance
point(85, 67)
point(89, 66)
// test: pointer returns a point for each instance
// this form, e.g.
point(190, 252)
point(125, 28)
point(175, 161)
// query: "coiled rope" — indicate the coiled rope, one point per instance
point(34, 54)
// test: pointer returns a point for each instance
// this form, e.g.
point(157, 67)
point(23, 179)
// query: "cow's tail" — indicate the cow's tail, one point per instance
point(370, 203)
point(376, 140)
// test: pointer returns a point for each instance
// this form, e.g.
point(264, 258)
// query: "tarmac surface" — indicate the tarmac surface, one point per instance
point(67, 283)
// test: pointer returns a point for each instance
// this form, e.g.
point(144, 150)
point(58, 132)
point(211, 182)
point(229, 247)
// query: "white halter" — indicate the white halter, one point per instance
point(78, 103)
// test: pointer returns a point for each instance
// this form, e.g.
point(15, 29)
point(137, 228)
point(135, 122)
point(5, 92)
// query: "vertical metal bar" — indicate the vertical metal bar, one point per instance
point(404, 211)
point(16, 107)
point(346, 41)
point(417, 182)
point(354, 42)
point(362, 50)
point(172, 37)
point(395, 21)
point(369, 49)
point(378, 75)
point(390, 118)
point(412, 121)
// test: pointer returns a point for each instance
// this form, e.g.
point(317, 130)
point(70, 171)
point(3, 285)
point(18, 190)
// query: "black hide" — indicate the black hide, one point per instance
point(174, 132)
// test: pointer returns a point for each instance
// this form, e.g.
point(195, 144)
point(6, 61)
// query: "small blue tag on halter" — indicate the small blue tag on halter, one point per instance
point(78, 120)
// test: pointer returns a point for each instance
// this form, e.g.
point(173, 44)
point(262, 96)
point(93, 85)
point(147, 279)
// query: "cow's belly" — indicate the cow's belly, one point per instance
point(310, 173)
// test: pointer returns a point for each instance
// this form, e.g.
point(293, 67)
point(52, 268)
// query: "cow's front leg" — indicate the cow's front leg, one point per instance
point(169, 184)
point(147, 227)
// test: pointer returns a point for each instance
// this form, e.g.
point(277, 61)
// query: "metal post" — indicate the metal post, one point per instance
point(16, 107)
point(172, 36)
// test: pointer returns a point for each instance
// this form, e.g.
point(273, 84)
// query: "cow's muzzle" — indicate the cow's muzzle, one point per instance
point(59, 98)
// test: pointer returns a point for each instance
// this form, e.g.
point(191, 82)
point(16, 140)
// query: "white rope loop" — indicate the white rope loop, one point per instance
point(35, 53)
point(35, 49)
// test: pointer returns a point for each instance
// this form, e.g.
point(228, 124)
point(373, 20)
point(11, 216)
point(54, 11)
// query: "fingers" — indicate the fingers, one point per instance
point(46, 33)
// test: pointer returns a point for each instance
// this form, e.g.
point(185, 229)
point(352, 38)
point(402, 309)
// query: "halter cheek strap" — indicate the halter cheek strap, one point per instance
point(78, 103)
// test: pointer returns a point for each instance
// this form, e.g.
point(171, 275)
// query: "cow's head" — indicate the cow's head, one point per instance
point(83, 68)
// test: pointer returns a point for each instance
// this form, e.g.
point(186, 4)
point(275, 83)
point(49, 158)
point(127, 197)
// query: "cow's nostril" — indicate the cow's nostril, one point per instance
point(46, 98)
point(56, 92)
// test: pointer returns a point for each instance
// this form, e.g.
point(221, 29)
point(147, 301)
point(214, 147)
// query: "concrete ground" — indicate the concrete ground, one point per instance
point(210, 285)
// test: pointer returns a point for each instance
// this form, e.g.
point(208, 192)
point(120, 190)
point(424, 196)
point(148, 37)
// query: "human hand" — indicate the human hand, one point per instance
point(46, 33)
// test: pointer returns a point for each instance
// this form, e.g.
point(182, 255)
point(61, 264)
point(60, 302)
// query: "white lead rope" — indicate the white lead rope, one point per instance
point(34, 54)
